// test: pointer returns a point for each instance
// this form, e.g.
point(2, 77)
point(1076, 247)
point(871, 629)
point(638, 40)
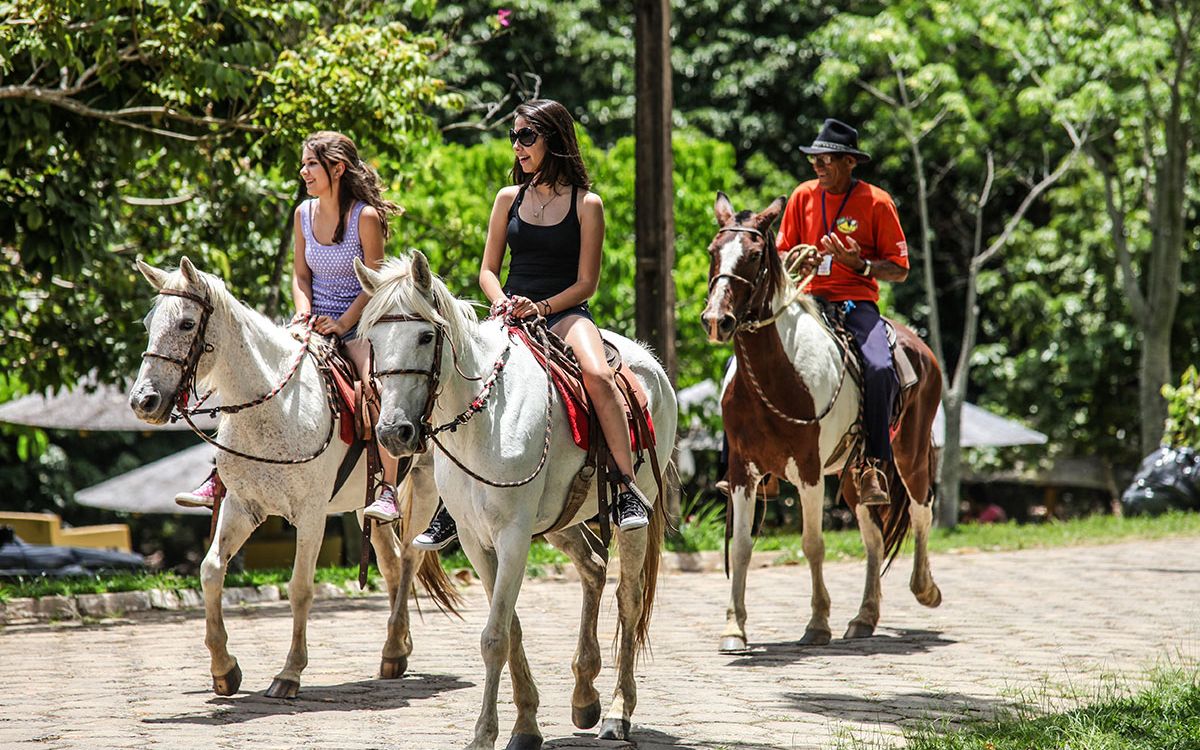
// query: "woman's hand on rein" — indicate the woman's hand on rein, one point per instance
point(327, 326)
point(523, 307)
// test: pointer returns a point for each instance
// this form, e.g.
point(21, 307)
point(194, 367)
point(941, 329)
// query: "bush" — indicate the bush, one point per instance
point(1183, 412)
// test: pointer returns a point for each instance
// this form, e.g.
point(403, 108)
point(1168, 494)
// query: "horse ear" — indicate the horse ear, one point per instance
point(370, 280)
point(157, 278)
point(769, 214)
point(422, 276)
point(723, 209)
point(190, 274)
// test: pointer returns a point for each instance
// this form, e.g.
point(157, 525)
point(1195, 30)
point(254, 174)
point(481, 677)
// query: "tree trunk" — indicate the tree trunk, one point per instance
point(274, 287)
point(654, 219)
point(948, 498)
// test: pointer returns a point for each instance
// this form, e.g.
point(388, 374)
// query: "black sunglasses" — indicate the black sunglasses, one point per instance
point(527, 136)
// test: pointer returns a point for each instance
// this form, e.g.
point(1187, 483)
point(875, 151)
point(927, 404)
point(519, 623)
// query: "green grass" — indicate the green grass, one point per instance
point(1005, 536)
point(700, 531)
point(1163, 713)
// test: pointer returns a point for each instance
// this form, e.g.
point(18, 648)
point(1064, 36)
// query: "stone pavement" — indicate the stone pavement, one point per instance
point(1011, 622)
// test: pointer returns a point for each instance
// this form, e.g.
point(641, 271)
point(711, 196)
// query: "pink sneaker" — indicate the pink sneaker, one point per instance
point(204, 495)
point(384, 509)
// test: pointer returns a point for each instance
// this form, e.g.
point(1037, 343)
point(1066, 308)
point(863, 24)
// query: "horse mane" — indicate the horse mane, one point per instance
point(399, 290)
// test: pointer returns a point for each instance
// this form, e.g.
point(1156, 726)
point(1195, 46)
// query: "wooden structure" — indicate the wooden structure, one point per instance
point(46, 528)
point(654, 220)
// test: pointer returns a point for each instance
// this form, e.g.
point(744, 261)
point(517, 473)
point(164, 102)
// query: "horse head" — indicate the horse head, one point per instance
point(177, 325)
point(410, 319)
point(744, 271)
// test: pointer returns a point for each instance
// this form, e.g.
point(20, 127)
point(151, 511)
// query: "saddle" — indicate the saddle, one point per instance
point(558, 359)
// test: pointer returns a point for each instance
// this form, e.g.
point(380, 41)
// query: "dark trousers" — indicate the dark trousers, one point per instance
point(880, 384)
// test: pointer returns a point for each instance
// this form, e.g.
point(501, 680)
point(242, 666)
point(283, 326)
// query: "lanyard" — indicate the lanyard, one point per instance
point(838, 215)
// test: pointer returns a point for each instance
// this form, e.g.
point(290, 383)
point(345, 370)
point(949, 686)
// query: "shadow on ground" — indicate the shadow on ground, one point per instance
point(901, 709)
point(647, 739)
point(364, 695)
point(891, 641)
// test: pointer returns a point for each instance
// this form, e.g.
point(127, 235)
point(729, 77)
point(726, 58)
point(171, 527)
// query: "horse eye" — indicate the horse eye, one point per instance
point(187, 324)
point(425, 338)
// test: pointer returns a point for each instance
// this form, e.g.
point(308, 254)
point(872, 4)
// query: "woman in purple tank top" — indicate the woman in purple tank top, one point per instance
point(346, 218)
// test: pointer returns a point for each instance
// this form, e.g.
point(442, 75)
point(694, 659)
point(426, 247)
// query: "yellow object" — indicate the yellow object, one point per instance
point(46, 528)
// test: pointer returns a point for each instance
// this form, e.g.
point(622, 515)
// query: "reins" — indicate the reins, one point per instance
point(478, 404)
point(187, 382)
point(752, 325)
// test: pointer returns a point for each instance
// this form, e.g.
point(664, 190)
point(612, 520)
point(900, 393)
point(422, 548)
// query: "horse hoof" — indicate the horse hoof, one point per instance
point(586, 717)
point(283, 688)
point(524, 742)
point(813, 637)
point(614, 729)
point(733, 644)
point(393, 669)
point(228, 683)
point(931, 597)
point(859, 630)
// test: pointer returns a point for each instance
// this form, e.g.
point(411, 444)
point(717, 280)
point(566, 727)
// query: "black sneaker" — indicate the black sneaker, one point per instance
point(442, 530)
point(632, 508)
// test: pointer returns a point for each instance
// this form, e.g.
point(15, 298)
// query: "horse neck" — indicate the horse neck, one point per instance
point(251, 355)
point(796, 338)
point(482, 345)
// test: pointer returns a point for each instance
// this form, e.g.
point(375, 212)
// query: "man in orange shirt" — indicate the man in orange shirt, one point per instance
point(856, 229)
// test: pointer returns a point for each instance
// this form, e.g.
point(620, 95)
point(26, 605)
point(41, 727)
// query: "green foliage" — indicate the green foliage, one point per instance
point(1183, 411)
point(701, 527)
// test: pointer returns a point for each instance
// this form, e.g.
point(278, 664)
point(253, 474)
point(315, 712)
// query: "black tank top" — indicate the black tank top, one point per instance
point(545, 259)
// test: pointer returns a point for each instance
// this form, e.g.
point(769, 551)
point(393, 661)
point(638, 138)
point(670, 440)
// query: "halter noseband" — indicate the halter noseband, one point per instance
point(758, 279)
point(198, 348)
point(432, 376)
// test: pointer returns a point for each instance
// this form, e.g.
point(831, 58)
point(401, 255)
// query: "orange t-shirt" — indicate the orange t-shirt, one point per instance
point(868, 215)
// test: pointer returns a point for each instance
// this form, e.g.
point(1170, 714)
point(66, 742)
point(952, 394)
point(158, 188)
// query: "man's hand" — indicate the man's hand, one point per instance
point(801, 260)
point(848, 253)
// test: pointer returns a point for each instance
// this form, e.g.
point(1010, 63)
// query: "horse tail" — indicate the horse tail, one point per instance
point(655, 534)
point(440, 586)
point(895, 520)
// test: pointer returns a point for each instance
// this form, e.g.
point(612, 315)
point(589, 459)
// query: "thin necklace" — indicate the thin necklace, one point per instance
point(538, 214)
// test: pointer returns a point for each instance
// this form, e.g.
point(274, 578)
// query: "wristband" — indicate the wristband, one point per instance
point(866, 269)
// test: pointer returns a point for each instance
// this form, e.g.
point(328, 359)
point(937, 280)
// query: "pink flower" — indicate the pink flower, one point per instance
point(502, 16)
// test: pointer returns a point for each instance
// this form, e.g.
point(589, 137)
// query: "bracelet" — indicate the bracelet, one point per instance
point(866, 269)
point(546, 309)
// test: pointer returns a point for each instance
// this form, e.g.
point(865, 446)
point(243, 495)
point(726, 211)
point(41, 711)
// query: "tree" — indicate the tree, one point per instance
point(932, 87)
point(158, 129)
point(1133, 67)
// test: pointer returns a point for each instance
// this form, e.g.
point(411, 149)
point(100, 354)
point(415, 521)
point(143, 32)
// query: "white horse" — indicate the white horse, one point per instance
point(787, 406)
point(505, 442)
point(243, 356)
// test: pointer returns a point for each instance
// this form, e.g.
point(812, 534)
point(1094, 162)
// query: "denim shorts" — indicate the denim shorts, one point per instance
point(581, 310)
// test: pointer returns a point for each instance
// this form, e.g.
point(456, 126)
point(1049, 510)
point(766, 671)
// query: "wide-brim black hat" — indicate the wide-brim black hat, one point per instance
point(836, 137)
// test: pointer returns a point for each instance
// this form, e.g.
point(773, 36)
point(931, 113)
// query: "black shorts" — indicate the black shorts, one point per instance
point(581, 310)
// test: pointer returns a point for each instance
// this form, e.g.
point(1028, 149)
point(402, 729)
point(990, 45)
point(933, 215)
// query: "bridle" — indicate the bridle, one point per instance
point(754, 284)
point(747, 324)
point(187, 383)
point(198, 348)
point(426, 429)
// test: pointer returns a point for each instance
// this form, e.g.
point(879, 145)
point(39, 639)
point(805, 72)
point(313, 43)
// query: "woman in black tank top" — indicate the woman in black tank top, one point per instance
point(554, 228)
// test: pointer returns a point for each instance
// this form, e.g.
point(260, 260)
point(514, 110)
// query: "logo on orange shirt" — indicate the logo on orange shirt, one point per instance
point(847, 225)
point(903, 248)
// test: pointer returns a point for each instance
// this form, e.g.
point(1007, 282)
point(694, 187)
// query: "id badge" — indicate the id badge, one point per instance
point(826, 266)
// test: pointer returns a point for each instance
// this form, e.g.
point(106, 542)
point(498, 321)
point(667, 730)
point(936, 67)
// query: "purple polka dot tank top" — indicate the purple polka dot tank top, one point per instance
point(334, 285)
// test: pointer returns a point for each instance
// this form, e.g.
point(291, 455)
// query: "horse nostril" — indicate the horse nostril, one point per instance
point(149, 401)
point(726, 324)
point(406, 432)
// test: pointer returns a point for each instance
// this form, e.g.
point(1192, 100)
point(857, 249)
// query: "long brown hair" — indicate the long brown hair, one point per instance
point(563, 162)
point(359, 181)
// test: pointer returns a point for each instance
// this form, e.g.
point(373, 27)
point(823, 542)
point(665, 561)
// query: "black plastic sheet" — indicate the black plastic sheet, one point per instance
point(1168, 479)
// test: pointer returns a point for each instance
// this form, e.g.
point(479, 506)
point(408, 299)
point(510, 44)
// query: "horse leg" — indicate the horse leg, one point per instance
point(629, 610)
point(921, 583)
point(309, 533)
point(733, 637)
point(573, 541)
point(234, 525)
point(812, 503)
point(502, 571)
point(397, 564)
point(863, 624)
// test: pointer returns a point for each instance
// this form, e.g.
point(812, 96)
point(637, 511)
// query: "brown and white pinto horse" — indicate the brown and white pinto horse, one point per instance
point(786, 412)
